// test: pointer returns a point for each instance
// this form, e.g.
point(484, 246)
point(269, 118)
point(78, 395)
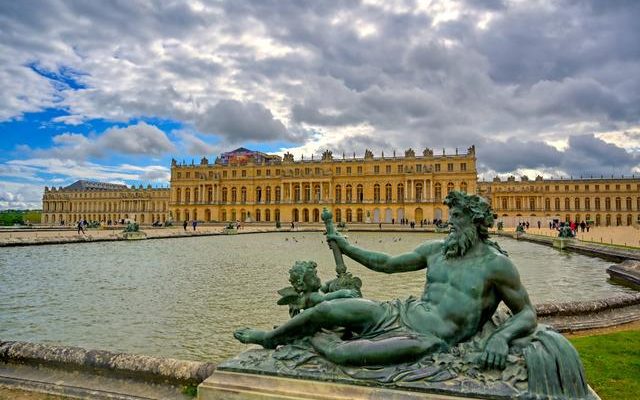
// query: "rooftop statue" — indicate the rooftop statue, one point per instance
point(452, 330)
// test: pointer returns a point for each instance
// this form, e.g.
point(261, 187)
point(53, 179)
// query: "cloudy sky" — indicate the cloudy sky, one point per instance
point(112, 90)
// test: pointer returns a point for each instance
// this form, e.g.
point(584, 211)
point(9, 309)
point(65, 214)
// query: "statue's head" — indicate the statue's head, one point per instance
point(470, 218)
point(304, 277)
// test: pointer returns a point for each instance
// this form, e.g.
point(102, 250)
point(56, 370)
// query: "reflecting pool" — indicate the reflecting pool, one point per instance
point(183, 297)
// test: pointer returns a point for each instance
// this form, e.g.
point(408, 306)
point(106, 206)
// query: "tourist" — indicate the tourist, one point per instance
point(80, 228)
point(293, 226)
point(539, 224)
point(582, 226)
point(527, 224)
point(184, 225)
point(194, 224)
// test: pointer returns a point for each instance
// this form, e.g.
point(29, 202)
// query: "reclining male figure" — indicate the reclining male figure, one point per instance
point(467, 277)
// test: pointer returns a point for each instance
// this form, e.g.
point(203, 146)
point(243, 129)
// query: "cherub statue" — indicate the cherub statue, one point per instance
point(305, 283)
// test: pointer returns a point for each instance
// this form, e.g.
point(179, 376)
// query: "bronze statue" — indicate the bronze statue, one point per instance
point(468, 276)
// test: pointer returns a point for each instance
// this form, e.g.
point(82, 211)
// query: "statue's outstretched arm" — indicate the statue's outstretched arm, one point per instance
point(381, 262)
point(510, 290)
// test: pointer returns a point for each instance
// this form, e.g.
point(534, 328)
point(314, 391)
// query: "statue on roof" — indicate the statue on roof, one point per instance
point(368, 154)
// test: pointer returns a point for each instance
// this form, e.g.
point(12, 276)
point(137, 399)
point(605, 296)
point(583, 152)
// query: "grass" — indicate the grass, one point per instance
point(612, 363)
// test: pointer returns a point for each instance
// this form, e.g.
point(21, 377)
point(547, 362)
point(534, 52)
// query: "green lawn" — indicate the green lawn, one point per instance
point(612, 363)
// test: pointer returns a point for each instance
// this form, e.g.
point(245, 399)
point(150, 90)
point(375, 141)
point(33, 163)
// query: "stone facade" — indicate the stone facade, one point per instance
point(605, 201)
point(97, 201)
point(370, 189)
point(246, 185)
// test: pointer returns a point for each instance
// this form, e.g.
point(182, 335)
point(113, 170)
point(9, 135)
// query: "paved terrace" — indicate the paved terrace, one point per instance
point(620, 236)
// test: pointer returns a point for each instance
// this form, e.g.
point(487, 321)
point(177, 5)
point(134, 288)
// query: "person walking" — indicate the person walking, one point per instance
point(80, 228)
point(184, 225)
point(194, 224)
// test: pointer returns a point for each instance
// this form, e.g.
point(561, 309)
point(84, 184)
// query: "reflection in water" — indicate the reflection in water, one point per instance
point(183, 298)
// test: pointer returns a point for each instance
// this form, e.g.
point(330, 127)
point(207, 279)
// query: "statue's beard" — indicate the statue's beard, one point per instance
point(459, 241)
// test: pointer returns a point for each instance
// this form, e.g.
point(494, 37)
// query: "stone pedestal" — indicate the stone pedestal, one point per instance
point(225, 385)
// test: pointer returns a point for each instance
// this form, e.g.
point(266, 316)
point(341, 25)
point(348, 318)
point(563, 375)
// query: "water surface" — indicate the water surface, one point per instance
point(183, 297)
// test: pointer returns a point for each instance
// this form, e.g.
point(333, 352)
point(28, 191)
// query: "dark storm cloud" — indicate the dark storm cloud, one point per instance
point(240, 122)
point(515, 153)
point(585, 155)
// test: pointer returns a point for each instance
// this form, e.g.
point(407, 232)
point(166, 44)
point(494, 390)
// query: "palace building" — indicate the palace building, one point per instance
point(252, 186)
point(603, 201)
point(104, 202)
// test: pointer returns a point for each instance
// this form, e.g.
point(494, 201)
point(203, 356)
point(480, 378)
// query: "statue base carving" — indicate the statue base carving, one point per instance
point(231, 382)
point(448, 375)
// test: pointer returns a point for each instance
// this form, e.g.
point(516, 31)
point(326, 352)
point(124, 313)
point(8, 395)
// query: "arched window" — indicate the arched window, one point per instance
point(463, 187)
point(187, 196)
point(628, 204)
point(418, 194)
point(349, 215)
point(597, 205)
point(258, 196)
point(449, 187)
point(224, 197)
point(608, 220)
point(388, 193)
point(267, 215)
point(243, 195)
point(618, 220)
point(376, 193)
point(547, 204)
point(316, 193)
point(607, 205)
point(400, 193)
point(258, 215)
point(179, 195)
point(587, 203)
point(276, 214)
point(618, 204)
point(338, 215)
point(296, 193)
point(234, 194)
point(267, 196)
point(359, 193)
point(338, 194)
point(598, 220)
point(359, 215)
point(196, 196)
point(438, 191)
point(307, 195)
point(349, 193)
point(576, 203)
point(567, 204)
point(557, 203)
point(278, 194)
point(210, 195)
